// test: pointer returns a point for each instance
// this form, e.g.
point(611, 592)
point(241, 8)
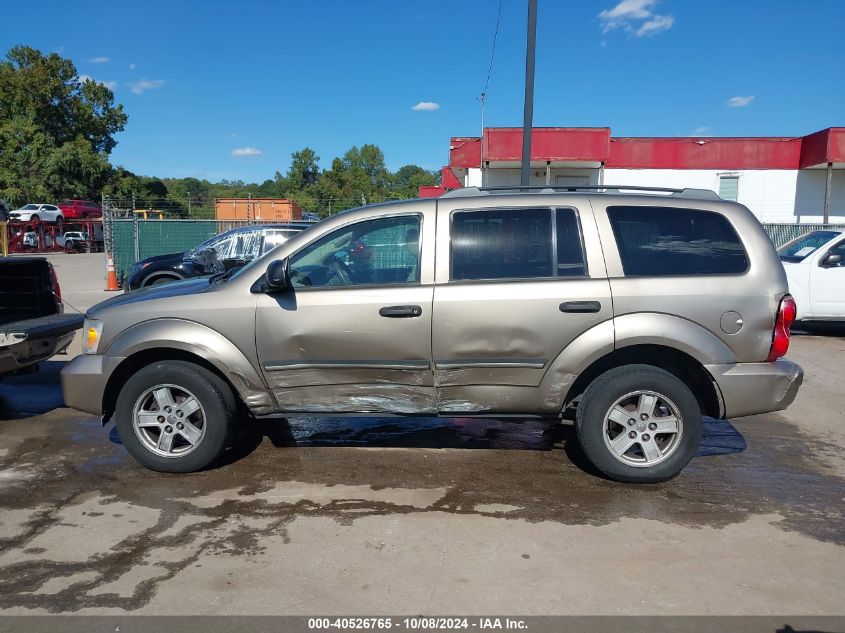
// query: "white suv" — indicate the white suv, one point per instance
point(32, 212)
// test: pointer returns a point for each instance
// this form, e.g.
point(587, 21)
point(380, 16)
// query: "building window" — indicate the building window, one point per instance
point(665, 241)
point(729, 187)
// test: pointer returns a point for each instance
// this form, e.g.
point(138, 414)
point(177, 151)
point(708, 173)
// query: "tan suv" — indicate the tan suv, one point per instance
point(635, 312)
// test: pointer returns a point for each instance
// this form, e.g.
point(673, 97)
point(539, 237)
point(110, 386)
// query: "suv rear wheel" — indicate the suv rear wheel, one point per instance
point(175, 417)
point(638, 424)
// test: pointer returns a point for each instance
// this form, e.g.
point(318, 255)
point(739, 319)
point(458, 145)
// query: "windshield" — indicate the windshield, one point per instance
point(804, 246)
point(210, 243)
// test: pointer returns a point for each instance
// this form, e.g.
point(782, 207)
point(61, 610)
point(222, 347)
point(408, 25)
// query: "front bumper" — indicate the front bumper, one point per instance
point(752, 388)
point(84, 381)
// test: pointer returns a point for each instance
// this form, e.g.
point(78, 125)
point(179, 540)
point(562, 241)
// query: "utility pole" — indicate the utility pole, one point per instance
point(482, 98)
point(189, 204)
point(827, 193)
point(528, 114)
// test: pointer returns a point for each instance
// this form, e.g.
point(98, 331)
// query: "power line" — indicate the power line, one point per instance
point(483, 97)
point(493, 51)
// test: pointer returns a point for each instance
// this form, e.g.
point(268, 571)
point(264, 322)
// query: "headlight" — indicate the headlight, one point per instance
point(91, 333)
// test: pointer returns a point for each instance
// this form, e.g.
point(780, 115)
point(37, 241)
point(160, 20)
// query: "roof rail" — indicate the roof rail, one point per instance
point(690, 193)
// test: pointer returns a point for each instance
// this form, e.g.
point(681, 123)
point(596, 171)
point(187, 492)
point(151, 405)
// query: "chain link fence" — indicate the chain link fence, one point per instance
point(780, 234)
point(132, 240)
point(203, 207)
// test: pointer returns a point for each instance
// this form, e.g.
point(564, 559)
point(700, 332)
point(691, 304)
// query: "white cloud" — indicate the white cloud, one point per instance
point(137, 87)
point(100, 60)
point(655, 25)
point(426, 106)
point(740, 102)
point(635, 17)
point(702, 130)
point(246, 151)
point(111, 85)
point(132, 66)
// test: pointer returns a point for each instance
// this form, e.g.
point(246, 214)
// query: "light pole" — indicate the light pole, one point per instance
point(528, 112)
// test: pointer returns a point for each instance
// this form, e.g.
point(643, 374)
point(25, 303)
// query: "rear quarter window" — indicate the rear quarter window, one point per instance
point(669, 241)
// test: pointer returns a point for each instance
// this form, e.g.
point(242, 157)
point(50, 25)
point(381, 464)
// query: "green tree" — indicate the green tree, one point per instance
point(304, 169)
point(408, 179)
point(122, 184)
point(56, 130)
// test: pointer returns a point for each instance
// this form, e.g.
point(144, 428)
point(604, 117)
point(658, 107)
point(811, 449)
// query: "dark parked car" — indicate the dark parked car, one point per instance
point(221, 253)
point(80, 209)
point(33, 326)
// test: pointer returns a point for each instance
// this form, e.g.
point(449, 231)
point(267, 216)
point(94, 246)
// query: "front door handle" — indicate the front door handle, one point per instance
point(400, 312)
point(580, 306)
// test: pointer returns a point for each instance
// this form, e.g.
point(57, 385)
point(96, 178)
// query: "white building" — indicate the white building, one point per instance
point(781, 179)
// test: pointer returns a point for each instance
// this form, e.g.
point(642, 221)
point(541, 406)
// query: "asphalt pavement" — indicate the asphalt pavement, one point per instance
point(328, 515)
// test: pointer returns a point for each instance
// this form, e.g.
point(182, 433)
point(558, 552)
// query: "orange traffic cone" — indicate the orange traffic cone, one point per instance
point(111, 275)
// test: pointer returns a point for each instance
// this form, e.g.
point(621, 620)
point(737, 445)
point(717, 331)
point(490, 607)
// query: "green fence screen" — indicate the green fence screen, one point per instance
point(161, 237)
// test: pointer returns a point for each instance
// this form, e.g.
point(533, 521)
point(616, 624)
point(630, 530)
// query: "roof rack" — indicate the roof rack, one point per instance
point(690, 193)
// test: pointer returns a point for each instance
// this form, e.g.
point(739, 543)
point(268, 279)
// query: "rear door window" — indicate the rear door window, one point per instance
point(489, 244)
point(668, 241)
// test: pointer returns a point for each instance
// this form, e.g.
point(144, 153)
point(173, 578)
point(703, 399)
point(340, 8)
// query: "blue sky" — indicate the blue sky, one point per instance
point(201, 80)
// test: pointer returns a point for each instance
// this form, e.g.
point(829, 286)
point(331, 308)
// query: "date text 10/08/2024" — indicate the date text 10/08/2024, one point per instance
point(418, 623)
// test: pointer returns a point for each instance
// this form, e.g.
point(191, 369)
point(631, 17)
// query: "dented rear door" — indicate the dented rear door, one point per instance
point(516, 283)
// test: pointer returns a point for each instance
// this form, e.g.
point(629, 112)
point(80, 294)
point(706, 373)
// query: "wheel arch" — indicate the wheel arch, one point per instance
point(649, 338)
point(176, 339)
point(685, 367)
point(161, 274)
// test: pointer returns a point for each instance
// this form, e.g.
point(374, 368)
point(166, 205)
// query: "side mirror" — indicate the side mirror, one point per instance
point(834, 259)
point(278, 275)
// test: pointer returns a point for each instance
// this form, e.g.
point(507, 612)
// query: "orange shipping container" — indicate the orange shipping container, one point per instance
point(266, 209)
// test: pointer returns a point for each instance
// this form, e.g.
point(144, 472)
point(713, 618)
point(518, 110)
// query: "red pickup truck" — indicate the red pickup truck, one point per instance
point(80, 209)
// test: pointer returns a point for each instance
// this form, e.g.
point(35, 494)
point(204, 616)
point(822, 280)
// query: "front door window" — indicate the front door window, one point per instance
point(374, 252)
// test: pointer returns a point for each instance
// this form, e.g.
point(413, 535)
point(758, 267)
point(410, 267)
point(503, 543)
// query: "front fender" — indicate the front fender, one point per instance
point(202, 341)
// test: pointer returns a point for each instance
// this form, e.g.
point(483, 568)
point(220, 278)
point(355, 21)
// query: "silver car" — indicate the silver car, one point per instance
point(633, 313)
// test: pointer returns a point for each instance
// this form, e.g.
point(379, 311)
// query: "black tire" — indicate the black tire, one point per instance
point(600, 397)
point(59, 219)
point(159, 280)
point(34, 218)
point(214, 395)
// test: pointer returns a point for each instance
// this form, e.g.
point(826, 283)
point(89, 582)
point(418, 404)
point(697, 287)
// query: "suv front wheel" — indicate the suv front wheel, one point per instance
point(175, 417)
point(638, 424)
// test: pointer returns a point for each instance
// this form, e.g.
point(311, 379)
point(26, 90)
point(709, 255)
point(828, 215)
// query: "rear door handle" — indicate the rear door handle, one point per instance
point(400, 312)
point(580, 306)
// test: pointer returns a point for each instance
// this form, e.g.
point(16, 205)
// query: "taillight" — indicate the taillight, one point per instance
point(54, 282)
point(780, 337)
